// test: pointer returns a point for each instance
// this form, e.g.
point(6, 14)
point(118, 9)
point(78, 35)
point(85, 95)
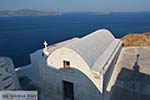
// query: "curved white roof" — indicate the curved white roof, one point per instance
point(96, 49)
point(92, 46)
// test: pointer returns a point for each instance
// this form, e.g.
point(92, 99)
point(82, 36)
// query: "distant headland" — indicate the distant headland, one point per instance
point(27, 12)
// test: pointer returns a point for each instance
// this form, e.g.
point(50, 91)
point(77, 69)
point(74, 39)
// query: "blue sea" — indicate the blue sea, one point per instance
point(20, 36)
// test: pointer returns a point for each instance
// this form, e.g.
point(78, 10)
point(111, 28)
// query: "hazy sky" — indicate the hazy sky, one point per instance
point(77, 5)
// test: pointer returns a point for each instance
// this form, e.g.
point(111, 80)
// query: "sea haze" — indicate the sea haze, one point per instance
point(20, 36)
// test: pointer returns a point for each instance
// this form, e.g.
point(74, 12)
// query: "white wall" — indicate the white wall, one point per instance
point(84, 88)
point(49, 75)
point(56, 59)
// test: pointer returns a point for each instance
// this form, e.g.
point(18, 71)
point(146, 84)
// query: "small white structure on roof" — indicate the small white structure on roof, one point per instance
point(45, 44)
point(77, 69)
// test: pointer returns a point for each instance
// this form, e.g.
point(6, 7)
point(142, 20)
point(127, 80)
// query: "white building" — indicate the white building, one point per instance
point(8, 78)
point(76, 69)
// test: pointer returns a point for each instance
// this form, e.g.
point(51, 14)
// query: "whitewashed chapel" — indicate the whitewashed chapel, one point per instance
point(76, 69)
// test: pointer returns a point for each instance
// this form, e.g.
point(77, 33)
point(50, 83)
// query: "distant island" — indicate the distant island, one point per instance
point(27, 12)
